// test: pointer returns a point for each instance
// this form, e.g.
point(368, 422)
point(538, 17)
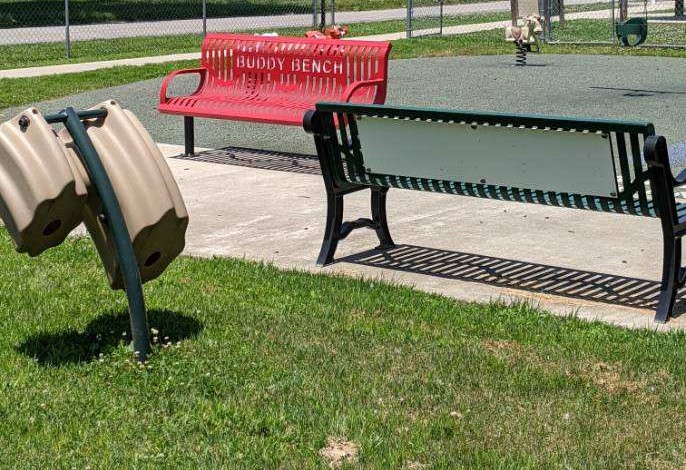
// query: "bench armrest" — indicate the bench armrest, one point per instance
point(354, 87)
point(168, 79)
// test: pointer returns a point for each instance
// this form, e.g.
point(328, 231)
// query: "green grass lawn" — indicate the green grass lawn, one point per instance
point(602, 30)
point(257, 368)
point(24, 13)
point(35, 55)
point(17, 91)
point(32, 55)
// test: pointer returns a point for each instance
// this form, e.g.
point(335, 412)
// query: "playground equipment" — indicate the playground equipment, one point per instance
point(149, 197)
point(334, 32)
point(633, 31)
point(525, 36)
point(104, 169)
point(41, 197)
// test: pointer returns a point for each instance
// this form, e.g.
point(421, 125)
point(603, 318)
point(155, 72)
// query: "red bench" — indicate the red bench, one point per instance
point(277, 79)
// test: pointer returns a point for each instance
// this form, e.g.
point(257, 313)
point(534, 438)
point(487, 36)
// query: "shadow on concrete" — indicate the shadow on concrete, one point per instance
point(639, 93)
point(103, 335)
point(264, 159)
point(538, 278)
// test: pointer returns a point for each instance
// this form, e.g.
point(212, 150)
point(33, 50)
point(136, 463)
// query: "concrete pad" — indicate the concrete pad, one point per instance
point(471, 249)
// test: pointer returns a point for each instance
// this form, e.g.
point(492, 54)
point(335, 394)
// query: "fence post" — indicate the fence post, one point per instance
point(440, 3)
point(514, 11)
point(561, 11)
point(314, 13)
point(408, 21)
point(204, 17)
point(67, 39)
point(624, 10)
point(322, 15)
point(333, 12)
point(679, 8)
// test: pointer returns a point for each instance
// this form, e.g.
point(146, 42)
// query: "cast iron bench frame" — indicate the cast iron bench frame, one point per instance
point(645, 181)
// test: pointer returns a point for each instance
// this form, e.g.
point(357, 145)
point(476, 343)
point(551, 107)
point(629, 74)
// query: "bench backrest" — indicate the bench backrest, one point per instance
point(584, 163)
point(316, 67)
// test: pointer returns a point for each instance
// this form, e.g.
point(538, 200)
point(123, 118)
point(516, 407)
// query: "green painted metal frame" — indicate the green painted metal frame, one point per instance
point(72, 120)
point(483, 117)
point(341, 158)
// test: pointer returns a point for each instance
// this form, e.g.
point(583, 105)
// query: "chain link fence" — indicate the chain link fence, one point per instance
point(69, 21)
point(593, 22)
point(426, 18)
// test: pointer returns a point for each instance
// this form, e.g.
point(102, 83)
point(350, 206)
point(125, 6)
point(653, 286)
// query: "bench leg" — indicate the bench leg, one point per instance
point(671, 278)
point(334, 222)
point(188, 136)
point(337, 230)
point(380, 218)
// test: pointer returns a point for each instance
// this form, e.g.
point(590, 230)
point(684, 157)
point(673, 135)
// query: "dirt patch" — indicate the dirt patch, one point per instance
point(339, 451)
point(509, 350)
point(414, 466)
point(609, 377)
point(361, 313)
point(492, 345)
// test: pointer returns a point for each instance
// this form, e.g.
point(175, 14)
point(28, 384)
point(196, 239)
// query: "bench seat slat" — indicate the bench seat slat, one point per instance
point(572, 201)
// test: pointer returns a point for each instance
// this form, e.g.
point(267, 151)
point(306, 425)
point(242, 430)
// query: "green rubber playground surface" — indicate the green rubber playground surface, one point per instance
point(641, 88)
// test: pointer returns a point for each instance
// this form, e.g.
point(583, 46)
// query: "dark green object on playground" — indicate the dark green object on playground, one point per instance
point(636, 162)
point(632, 32)
point(72, 120)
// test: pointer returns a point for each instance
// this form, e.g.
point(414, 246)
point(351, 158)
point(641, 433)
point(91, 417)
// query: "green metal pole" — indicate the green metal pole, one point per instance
point(118, 230)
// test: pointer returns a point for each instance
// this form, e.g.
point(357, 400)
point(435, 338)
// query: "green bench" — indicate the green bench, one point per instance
point(602, 165)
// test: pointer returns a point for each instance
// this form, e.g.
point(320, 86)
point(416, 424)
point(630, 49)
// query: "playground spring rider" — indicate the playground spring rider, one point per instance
point(525, 35)
point(336, 31)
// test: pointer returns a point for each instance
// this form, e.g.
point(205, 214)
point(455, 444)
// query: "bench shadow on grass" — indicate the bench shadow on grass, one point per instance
point(102, 335)
point(531, 277)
